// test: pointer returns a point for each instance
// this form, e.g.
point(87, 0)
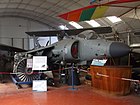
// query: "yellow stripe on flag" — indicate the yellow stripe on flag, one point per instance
point(99, 12)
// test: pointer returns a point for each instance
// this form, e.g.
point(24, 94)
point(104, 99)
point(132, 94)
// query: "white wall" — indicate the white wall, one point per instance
point(12, 27)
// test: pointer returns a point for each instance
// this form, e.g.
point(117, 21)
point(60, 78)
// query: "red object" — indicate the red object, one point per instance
point(75, 14)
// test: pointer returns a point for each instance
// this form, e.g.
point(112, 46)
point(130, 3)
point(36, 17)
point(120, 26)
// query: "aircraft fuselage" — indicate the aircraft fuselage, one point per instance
point(85, 50)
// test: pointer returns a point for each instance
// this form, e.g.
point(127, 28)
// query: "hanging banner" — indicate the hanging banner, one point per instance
point(96, 11)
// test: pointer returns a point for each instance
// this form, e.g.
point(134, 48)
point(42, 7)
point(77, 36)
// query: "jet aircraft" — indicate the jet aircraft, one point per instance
point(81, 45)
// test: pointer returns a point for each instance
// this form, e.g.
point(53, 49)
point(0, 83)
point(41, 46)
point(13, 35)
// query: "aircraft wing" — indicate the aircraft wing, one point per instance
point(40, 49)
point(11, 48)
point(112, 8)
point(98, 30)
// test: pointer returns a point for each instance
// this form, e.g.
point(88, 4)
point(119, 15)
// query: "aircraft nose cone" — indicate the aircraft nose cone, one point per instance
point(118, 49)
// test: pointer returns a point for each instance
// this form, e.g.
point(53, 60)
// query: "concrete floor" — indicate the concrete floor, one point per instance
point(85, 95)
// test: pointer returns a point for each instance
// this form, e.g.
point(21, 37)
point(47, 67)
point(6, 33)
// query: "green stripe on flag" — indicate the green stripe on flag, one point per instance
point(87, 14)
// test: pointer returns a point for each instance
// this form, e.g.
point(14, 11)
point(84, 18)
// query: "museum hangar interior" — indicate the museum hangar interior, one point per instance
point(69, 52)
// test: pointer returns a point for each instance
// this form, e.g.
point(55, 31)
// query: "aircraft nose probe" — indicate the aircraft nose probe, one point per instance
point(118, 49)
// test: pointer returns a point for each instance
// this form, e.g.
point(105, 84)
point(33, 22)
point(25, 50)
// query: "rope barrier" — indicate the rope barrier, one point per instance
point(125, 79)
point(34, 72)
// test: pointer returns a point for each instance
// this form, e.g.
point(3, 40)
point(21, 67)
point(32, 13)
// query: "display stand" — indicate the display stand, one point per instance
point(72, 79)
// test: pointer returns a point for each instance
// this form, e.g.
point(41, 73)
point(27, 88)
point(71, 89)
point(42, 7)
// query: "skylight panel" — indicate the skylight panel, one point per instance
point(93, 23)
point(114, 19)
point(76, 25)
point(63, 27)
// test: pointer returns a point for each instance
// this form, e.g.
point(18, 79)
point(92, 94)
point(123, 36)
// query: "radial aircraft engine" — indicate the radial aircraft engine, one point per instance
point(85, 46)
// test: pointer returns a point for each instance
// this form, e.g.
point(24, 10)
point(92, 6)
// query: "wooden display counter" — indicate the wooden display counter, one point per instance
point(108, 78)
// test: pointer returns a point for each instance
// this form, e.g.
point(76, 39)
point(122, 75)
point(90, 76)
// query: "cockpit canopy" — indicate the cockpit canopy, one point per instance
point(89, 35)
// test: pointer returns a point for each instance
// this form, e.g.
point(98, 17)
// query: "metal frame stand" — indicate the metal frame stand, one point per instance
point(72, 75)
point(17, 82)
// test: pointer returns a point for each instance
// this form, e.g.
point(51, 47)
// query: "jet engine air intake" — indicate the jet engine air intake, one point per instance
point(74, 50)
point(66, 50)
